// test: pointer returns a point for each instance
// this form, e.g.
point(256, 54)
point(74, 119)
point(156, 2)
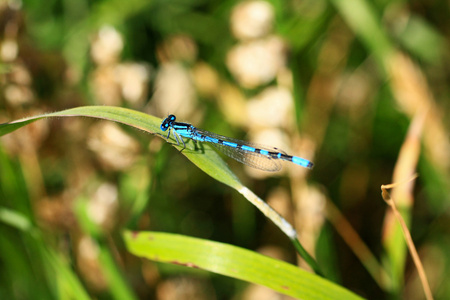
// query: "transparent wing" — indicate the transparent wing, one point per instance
point(252, 159)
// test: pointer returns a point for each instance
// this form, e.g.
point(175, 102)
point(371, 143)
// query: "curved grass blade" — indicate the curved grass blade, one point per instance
point(118, 114)
point(207, 159)
point(234, 262)
point(360, 15)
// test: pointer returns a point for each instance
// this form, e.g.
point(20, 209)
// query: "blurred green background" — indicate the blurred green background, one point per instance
point(358, 87)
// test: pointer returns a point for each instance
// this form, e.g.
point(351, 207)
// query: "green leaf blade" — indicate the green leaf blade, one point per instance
point(208, 160)
point(234, 262)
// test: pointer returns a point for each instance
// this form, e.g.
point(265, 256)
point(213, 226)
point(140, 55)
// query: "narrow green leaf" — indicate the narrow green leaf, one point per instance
point(234, 262)
point(69, 284)
point(361, 16)
point(119, 288)
point(205, 158)
point(15, 219)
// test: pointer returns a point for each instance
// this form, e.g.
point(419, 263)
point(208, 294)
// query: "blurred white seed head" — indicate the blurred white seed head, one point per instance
point(206, 79)
point(177, 48)
point(174, 90)
point(257, 62)
point(103, 205)
point(107, 46)
point(114, 148)
point(16, 86)
point(133, 79)
point(17, 95)
point(8, 50)
point(111, 83)
point(281, 104)
point(19, 74)
point(252, 19)
point(104, 85)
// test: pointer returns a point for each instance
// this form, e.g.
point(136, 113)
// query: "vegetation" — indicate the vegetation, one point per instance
point(92, 208)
